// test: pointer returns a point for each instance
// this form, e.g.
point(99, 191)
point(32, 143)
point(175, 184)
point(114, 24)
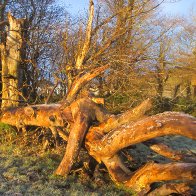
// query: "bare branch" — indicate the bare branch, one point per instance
point(51, 92)
point(166, 151)
point(171, 188)
point(87, 41)
point(81, 81)
point(3, 23)
point(129, 116)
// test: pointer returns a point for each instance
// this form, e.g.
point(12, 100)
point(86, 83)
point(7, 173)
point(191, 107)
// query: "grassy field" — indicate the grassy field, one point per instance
point(26, 170)
point(28, 174)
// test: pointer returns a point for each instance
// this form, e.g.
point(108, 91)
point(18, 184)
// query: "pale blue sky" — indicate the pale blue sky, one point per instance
point(182, 7)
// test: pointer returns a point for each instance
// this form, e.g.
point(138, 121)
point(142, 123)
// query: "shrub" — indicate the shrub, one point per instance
point(180, 104)
point(185, 105)
point(7, 133)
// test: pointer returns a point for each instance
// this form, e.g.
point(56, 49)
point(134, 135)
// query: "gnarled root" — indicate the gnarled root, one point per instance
point(169, 123)
point(104, 148)
point(153, 172)
point(170, 188)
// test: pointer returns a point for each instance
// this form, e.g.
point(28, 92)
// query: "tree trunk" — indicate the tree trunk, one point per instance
point(176, 89)
point(10, 60)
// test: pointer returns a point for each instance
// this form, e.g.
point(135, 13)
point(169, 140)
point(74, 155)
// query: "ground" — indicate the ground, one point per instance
point(25, 169)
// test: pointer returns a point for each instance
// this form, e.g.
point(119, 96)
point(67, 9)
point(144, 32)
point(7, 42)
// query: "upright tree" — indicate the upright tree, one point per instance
point(11, 60)
point(42, 21)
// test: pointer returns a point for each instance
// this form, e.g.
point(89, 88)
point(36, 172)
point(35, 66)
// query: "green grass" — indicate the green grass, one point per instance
point(27, 170)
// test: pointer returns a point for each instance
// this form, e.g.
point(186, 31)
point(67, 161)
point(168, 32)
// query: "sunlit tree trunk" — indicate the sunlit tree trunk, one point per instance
point(11, 60)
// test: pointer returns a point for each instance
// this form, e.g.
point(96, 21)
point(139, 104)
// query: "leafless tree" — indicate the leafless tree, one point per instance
point(95, 52)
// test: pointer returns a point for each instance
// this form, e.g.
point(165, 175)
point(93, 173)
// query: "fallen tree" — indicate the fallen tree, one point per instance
point(112, 133)
point(105, 135)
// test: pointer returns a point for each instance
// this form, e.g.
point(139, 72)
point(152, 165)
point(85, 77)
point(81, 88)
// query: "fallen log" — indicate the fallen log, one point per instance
point(79, 115)
point(81, 125)
point(112, 134)
point(104, 147)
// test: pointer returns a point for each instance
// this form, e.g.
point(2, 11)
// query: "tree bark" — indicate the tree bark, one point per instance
point(81, 57)
point(74, 143)
point(104, 147)
point(113, 133)
point(168, 123)
point(153, 172)
point(11, 60)
point(171, 154)
point(170, 188)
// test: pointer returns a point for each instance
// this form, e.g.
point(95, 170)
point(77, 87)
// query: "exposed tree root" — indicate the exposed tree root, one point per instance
point(112, 134)
point(168, 123)
point(104, 148)
point(153, 172)
point(170, 188)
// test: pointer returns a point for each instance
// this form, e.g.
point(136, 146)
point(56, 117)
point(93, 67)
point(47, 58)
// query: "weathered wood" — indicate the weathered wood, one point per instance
point(112, 134)
point(168, 123)
point(104, 147)
point(170, 188)
point(80, 82)
point(11, 60)
point(51, 115)
point(104, 134)
point(84, 112)
point(129, 116)
point(80, 114)
point(75, 140)
point(141, 180)
point(174, 155)
point(37, 115)
point(87, 41)
point(153, 172)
